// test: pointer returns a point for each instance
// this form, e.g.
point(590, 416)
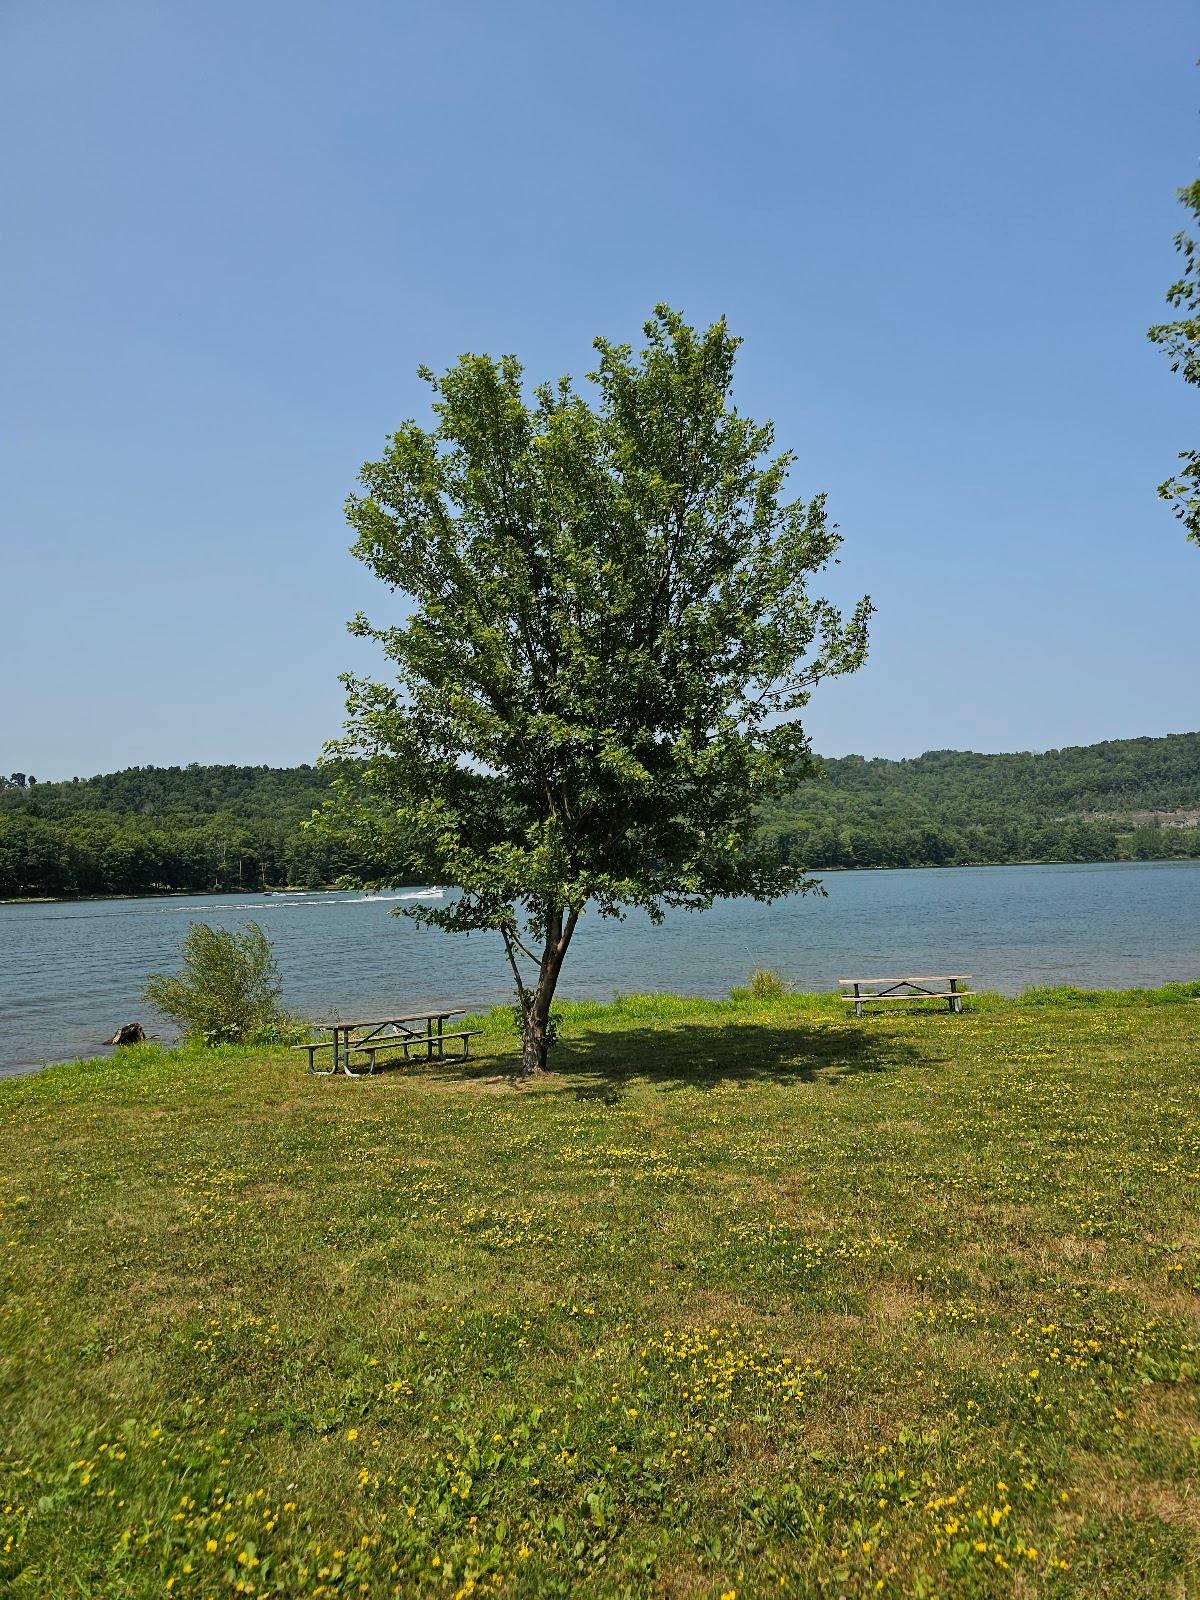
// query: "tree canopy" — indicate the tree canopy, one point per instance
point(611, 636)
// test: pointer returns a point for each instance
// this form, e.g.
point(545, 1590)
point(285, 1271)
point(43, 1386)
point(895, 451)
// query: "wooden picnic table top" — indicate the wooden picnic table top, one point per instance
point(432, 1014)
point(937, 977)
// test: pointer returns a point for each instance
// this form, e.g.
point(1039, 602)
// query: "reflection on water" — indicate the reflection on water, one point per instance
point(70, 974)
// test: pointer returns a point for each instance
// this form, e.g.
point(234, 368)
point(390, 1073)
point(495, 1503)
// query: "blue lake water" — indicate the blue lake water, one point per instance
point(70, 974)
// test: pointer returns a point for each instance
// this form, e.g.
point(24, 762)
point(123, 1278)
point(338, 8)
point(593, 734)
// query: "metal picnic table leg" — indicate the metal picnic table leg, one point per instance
point(320, 1072)
point(370, 1069)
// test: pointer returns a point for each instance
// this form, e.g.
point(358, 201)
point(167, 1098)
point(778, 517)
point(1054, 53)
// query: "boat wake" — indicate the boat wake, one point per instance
point(279, 901)
point(411, 894)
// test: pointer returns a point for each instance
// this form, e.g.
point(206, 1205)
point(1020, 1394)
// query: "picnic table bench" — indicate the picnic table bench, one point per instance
point(892, 990)
point(424, 1031)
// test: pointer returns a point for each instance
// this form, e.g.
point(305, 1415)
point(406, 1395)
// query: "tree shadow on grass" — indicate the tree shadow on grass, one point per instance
point(600, 1062)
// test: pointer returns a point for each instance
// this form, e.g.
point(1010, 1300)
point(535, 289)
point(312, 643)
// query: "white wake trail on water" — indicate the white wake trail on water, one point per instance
point(414, 894)
point(291, 903)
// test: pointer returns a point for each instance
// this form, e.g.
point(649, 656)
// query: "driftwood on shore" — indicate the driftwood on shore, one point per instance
point(129, 1033)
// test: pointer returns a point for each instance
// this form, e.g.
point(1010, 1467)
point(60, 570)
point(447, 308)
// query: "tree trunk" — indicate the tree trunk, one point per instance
point(535, 1007)
point(536, 1044)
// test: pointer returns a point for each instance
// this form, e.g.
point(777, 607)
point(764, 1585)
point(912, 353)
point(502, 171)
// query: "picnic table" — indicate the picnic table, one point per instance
point(424, 1031)
point(891, 990)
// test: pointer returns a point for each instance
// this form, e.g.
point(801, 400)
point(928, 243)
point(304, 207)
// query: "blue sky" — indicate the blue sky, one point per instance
point(232, 231)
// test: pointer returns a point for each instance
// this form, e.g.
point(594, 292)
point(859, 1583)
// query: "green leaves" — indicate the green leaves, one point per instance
point(611, 635)
point(1181, 341)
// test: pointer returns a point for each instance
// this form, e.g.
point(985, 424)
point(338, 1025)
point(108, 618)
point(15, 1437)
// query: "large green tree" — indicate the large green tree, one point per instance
point(1181, 340)
point(611, 635)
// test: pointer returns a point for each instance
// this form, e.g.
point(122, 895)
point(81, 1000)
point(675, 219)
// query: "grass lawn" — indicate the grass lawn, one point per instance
point(744, 1298)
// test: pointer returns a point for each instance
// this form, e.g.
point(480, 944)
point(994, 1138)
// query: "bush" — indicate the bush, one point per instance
point(228, 991)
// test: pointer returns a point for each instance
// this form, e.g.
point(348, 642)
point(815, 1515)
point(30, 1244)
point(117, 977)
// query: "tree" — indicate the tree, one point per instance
point(1181, 341)
point(611, 636)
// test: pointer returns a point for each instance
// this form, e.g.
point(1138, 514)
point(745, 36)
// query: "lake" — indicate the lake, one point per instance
point(71, 973)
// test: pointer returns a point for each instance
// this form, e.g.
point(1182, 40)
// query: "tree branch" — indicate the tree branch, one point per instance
point(523, 993)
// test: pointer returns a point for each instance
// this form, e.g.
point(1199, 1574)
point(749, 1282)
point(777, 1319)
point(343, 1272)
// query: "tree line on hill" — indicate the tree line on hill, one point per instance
point(149, 829)
point(1124, 800)
point(221, 828)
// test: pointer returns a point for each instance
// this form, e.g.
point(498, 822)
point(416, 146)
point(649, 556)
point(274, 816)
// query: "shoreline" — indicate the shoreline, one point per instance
point(183, 894)
point(662, 1005)
point(332, 888)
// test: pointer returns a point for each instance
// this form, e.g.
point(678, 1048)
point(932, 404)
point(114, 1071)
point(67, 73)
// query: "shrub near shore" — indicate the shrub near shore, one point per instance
point(746, 1296)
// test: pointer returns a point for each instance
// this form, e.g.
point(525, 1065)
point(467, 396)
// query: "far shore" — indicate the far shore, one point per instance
point(193, 894)
point(417, 883)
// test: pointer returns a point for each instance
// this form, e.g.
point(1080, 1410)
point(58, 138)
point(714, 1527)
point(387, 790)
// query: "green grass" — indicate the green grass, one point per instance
point(747, 1296)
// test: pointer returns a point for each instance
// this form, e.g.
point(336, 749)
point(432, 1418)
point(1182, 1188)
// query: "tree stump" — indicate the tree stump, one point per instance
point(131, 1033)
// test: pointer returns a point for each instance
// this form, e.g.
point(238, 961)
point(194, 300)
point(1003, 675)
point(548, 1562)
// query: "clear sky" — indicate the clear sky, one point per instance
point(232, 230)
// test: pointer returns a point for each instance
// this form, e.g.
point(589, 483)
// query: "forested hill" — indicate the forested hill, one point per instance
point(225, 827)
point(1125, 799)
point(148, 828)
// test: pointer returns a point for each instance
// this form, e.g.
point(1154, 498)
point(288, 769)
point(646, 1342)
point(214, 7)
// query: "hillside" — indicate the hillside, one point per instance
point(226, 827)
point(1124, 799)
point(177, 828)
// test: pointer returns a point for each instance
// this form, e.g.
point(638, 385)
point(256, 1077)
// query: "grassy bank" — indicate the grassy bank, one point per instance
point(747, 1297)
